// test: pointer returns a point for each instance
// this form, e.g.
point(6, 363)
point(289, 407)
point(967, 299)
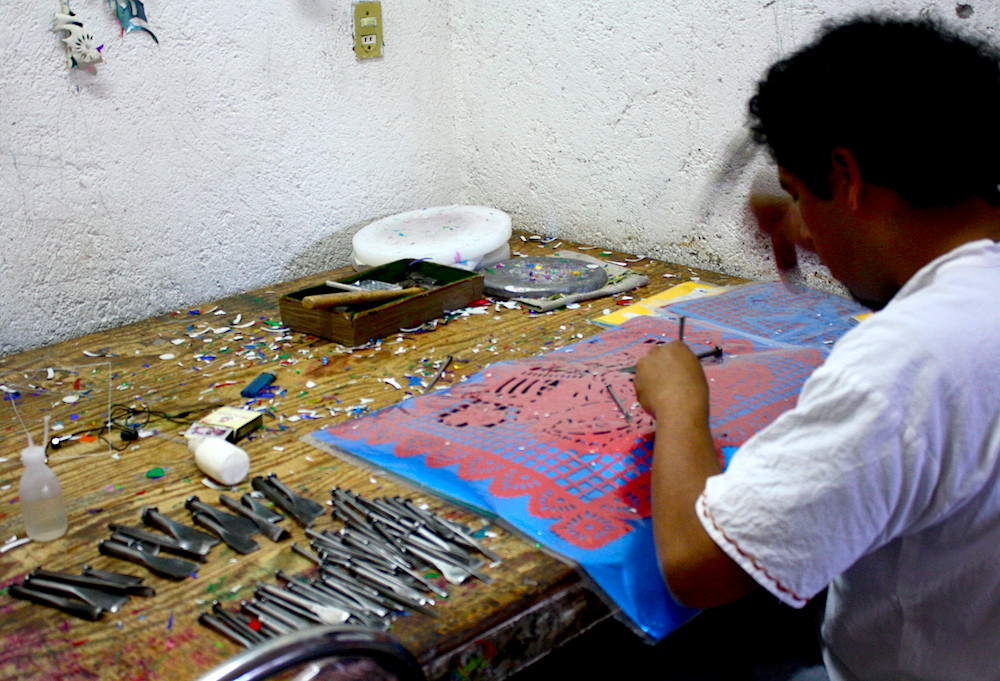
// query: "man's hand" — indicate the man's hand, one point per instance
point(778, 218)
point(671, 386)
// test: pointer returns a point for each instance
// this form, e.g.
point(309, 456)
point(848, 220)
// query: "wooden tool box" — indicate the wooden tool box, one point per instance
point(446, 288)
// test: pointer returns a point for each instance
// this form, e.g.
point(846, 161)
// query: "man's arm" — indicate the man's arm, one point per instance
point(671, 386)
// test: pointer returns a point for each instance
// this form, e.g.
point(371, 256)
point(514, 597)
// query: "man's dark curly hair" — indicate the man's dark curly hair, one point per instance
point(918, 106)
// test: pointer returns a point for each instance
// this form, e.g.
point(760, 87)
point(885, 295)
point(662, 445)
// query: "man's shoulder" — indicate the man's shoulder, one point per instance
point(947, 319)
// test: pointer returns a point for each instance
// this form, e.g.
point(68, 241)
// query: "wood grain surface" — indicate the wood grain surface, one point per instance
point(480, 632)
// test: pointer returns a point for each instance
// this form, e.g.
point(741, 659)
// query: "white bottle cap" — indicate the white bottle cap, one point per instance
point(33, 454)
point(220, 459)
point(36, 453)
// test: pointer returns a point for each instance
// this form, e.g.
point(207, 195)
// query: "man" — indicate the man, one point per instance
point(883, 483)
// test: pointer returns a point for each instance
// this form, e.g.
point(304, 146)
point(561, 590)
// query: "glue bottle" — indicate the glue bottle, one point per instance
point(219, 459)
point(42, 503)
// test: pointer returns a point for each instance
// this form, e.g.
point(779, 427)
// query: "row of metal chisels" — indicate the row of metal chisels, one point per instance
point(389, 555)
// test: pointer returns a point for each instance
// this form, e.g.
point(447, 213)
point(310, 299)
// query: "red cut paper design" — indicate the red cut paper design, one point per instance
point(548, 428)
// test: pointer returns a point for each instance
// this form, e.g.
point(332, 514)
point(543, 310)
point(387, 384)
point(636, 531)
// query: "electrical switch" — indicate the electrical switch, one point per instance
point(367, 29)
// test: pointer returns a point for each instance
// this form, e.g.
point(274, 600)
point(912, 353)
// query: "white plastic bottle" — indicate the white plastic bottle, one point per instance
point(42, 503)
point(220, 459)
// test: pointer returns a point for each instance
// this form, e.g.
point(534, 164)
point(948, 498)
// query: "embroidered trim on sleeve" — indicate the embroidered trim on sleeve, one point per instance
point(780, 590)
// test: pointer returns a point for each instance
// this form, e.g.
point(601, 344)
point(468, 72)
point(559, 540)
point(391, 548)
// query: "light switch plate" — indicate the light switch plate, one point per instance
point(367, 29)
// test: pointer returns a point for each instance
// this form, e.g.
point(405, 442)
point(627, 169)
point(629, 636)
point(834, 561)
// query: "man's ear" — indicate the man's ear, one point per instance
point(845, 176)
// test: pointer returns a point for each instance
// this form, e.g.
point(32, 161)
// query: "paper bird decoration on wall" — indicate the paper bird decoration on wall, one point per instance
point(130, 13)
point(81, 50)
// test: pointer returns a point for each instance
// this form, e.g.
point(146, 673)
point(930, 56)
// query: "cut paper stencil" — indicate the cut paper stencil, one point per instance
point(542, 444)
point(776, 312)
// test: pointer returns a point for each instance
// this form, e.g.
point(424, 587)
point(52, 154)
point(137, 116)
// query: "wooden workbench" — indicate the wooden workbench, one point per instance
point(482, 632)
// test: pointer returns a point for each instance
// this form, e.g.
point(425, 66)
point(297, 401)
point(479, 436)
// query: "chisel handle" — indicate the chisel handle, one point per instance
point(325, 300)
point(67, 605)
point(174, 568)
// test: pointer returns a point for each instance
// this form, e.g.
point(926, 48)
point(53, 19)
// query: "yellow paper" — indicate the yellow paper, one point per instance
point(689, 289)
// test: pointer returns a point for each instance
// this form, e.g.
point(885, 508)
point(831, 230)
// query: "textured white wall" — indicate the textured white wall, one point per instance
point(234, 154)
point(620, 124)
point(249, 145)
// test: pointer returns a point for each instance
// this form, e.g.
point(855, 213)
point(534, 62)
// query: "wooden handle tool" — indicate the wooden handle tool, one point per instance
point(326, 300)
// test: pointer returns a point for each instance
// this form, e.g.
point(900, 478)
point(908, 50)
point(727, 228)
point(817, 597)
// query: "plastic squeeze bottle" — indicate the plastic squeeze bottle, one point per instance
point(42, 503)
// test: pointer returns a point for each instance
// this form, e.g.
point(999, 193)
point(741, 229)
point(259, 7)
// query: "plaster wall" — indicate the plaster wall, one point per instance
point(242, 150)
point(249, 145)
point(622, 124)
